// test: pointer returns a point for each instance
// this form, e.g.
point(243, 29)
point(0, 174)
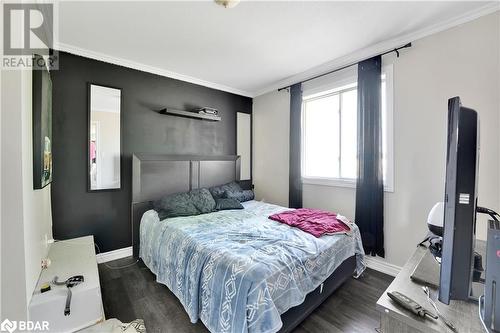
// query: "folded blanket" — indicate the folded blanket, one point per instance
point(314, 221)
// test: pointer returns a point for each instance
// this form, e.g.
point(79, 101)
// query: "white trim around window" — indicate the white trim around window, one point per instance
point(337, 182)
point(334, 182)
point(334, 85)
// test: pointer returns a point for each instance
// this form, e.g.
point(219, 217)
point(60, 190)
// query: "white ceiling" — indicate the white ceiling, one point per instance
point(247, 49)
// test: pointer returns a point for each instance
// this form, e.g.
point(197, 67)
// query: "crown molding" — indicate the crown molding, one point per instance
point(146, 68)
point(328, 66)
point(381, 47)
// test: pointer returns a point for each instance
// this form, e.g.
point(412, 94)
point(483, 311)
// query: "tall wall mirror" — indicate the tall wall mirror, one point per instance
point(104, 143)
point(243, 143)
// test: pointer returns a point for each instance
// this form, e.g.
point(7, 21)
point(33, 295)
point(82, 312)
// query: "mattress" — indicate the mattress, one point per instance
point(237, 270)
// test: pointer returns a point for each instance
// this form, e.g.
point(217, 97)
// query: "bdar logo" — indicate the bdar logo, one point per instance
point(8, 325)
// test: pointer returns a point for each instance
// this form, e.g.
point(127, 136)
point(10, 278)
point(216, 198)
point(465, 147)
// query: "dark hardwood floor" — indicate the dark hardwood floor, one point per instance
point(132, 292)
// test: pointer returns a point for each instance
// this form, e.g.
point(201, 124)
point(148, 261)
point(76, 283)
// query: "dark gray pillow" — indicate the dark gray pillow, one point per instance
point(241, 196)
point(225, 204)
point(218, 191)
point(173, 205)
point(202, 200)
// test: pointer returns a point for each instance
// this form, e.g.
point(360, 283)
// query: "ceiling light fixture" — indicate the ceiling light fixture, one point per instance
point(227, 3)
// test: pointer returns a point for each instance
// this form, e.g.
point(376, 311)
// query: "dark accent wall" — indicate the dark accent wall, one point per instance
point(106, 215)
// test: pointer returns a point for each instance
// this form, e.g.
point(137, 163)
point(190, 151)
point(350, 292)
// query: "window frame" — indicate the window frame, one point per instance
point(337, 87)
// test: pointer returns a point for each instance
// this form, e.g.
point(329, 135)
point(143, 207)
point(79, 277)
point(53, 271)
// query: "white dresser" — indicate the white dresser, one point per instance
point(70, 257)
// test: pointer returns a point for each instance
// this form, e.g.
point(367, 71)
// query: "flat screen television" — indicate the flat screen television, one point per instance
point(459, 203)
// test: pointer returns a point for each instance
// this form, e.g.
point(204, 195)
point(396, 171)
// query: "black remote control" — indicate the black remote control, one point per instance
point(410, 305)
point(69, 283)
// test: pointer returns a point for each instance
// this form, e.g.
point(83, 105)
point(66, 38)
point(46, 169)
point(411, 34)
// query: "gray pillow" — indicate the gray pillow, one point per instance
point(225, 204)
point(202, 200)
point(173, 205)
point(218, 191)
point(241, 196)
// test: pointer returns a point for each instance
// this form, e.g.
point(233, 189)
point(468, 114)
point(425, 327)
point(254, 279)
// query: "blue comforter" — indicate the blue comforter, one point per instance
point(237, 270)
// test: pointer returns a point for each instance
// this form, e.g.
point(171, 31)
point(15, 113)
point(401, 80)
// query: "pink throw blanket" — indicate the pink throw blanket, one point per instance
point(314, 221)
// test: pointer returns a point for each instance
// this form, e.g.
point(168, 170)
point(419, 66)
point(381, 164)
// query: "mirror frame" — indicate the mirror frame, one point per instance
point(250, 115)
point(89, 117)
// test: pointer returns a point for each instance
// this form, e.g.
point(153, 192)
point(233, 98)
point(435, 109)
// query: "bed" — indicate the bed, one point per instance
point(236, 270)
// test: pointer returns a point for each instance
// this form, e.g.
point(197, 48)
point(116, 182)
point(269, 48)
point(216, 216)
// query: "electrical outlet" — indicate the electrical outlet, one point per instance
point(46, 263)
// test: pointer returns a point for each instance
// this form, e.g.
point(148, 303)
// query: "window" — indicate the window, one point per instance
point(329, 133)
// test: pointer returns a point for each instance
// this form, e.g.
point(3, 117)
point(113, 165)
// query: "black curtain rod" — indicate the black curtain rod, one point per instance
point(347, 66)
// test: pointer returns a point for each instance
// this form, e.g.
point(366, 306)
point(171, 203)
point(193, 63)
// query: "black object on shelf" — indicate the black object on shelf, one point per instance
point(410, 305)
point(69, 283)
point(190, 114)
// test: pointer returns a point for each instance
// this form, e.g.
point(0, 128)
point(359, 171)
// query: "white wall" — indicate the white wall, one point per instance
point(14, 304)
point(25, 214)
point(37, 214)
point(462, 61)
point(1, 183)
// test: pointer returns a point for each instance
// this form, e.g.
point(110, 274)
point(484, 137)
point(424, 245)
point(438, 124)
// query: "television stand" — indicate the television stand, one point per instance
point(463, 314)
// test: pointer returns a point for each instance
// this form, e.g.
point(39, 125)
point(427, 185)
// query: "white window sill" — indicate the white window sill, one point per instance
point(335, 182)
point(350, 183)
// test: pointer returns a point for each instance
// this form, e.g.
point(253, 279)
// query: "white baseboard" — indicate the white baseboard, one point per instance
point(382, 266)
point(113, 255)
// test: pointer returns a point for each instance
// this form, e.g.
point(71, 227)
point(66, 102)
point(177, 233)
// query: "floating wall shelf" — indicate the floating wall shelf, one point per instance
point(190, 114)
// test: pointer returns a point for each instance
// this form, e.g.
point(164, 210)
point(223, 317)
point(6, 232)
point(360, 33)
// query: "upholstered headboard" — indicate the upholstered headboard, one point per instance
point(154, 176)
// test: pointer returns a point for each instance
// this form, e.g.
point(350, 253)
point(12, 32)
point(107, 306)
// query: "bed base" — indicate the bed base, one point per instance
point(294, 316)
point(156, 175)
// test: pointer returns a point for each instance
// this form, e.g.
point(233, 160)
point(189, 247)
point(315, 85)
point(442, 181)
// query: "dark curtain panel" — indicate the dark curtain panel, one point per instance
point(295, 181)
point(370, 184)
